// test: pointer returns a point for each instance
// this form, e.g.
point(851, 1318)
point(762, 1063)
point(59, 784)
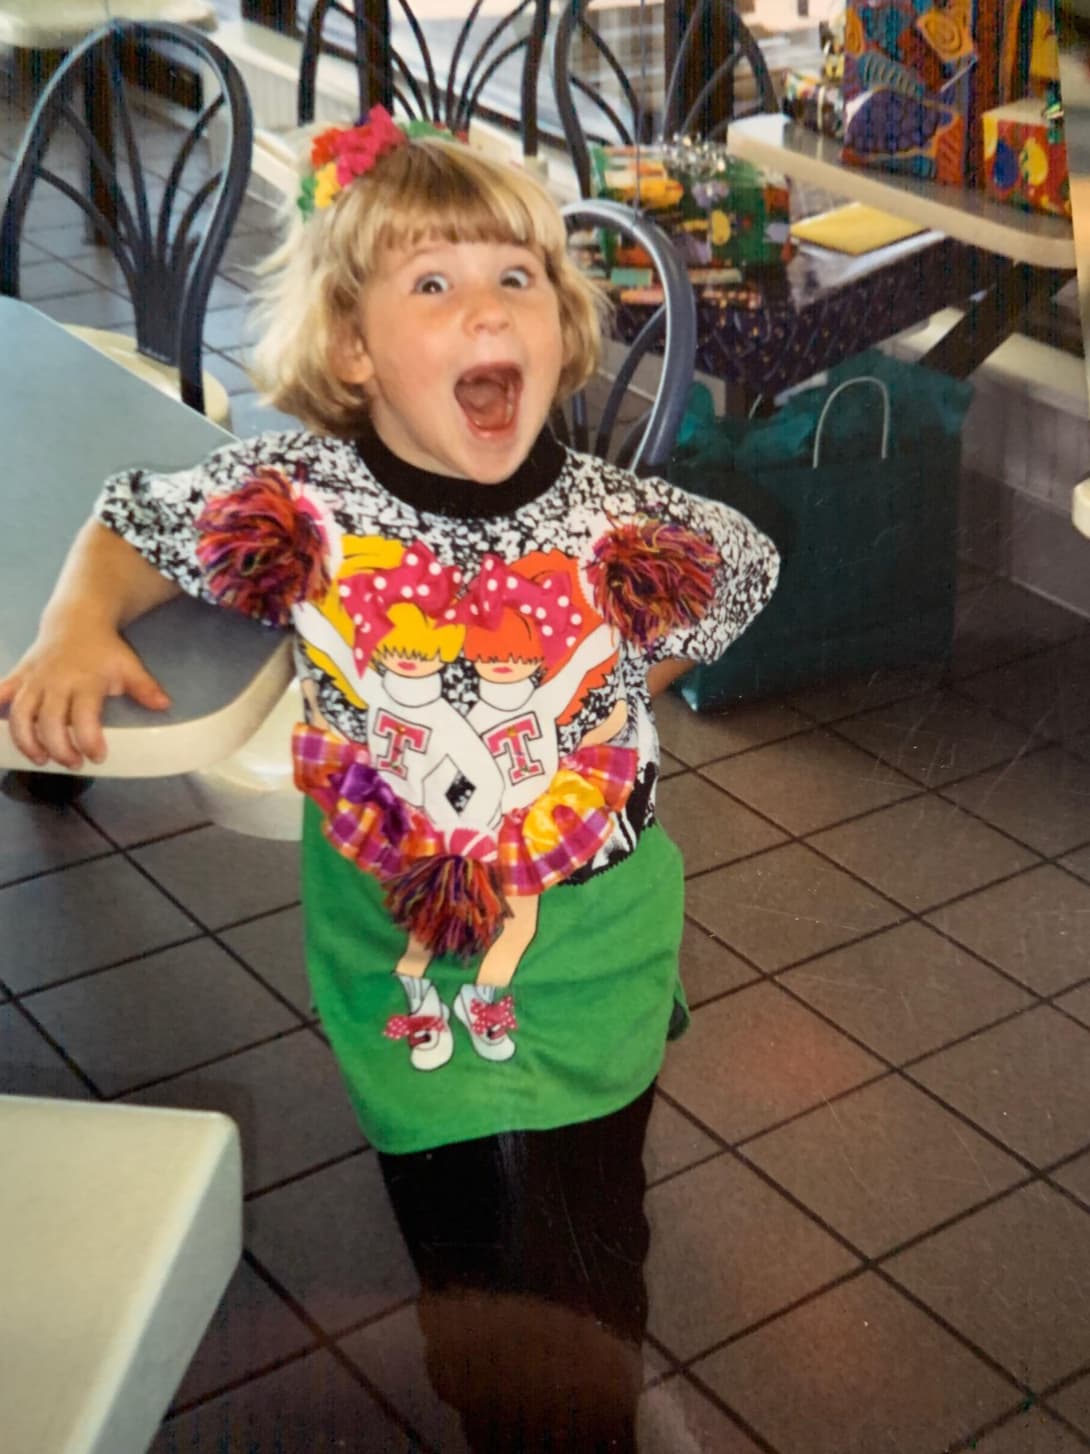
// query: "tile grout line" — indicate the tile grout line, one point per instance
point(901, 1070)
point(1033, 1173)
point(323, 1340)
point(85, 974)
point(55, 1045)
point(776, 976)
point(141, 1086)
point(912, 914)
point(210, 933)
point(257, 1193)
point(920, 792)
point(970, 1442)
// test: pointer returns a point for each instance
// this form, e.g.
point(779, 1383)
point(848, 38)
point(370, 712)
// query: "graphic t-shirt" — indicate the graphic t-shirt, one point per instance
point(492, 913)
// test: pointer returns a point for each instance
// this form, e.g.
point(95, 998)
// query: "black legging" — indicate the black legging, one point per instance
point(530, 1249)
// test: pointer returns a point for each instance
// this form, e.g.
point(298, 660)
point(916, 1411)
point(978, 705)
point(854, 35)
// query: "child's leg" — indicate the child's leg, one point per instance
point(426, 1028)
point(502, 959)
point(414, 962)
point(482, 1007)
point(530, 1250)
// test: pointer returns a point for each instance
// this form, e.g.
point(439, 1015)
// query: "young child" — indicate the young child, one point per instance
point(423, 319)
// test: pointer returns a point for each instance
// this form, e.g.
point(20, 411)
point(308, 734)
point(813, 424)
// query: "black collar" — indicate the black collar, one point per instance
point(463, 499)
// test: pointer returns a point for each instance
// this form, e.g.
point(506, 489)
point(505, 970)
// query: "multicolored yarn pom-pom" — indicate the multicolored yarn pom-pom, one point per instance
point(262, 554)
point(652, 577)
point(453, 905)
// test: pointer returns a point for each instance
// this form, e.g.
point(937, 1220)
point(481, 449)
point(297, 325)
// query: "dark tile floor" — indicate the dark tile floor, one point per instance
point(870, 1157)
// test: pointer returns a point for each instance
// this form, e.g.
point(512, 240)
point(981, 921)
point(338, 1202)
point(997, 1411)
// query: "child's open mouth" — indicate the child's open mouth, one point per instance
point(489, 397)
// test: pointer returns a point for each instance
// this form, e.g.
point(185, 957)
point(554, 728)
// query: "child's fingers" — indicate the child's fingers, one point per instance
point(143, 688)
point(52, 729)
point(8, 687)
point(22, 724)
point(86, 724)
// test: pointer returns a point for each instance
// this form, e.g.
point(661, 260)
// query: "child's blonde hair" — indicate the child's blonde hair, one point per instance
point(428, 188)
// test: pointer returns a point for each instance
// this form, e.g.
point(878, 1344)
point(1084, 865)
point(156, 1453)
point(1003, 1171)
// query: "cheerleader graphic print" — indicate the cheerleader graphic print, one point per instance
point(478, 736)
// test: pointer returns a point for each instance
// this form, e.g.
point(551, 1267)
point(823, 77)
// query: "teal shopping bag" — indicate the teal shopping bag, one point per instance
point(856, 482)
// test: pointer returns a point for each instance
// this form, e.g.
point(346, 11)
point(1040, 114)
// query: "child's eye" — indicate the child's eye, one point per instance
point(516, 278)
point(431, 283)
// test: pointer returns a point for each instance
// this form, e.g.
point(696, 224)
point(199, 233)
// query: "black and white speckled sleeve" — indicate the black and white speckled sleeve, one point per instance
point(157, 513)
point(744, 581)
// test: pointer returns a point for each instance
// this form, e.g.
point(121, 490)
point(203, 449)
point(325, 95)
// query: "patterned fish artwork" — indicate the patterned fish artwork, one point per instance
point(917, 75)
point(878, 72)
point(948, 36)
point(887, 124)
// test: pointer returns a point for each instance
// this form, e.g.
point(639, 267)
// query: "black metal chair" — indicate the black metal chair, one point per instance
point(443, 76)
point(408, 82)
point(714, 27)
point(667, 340)
point(167, 235)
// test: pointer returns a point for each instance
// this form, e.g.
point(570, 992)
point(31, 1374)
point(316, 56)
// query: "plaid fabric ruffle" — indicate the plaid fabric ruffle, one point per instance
point(534, 848)
point(575, 816)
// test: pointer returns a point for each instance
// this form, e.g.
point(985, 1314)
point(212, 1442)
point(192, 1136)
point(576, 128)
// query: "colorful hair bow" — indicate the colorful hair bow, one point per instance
point(341, 153)
point(547, 602)
point(419, 580)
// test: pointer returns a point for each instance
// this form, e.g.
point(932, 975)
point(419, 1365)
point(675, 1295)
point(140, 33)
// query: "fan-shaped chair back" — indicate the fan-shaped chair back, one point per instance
point(166, 221)
point(668, 335)
point(713, 24)
point(407, 82)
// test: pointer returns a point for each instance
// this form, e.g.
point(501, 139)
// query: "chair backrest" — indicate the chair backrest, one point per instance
point(407, 82)
point(166, 221)
point(714, 29)
point(668, 335)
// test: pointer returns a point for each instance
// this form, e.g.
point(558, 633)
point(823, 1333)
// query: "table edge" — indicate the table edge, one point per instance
point(178, 747)
point(872, 186)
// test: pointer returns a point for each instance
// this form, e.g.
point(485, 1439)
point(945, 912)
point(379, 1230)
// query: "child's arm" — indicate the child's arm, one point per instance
point(744, 577)
point(662, 673)
point(79, 658)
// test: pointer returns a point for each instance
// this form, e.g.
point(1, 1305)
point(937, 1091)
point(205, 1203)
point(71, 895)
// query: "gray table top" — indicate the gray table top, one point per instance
point(68, 418)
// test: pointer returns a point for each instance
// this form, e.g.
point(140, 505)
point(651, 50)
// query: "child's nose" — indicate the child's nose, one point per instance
point(487, 308)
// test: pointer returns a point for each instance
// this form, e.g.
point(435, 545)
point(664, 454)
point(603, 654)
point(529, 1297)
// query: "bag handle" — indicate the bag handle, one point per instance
point(848, 384)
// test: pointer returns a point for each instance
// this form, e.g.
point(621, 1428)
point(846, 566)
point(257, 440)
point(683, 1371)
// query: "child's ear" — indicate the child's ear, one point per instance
point(350, 360)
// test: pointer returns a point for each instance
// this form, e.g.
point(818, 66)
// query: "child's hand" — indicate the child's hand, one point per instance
point(55, 693)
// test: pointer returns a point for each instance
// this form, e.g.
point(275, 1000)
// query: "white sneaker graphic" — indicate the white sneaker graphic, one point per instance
point(427, 1029)
point(487, 1021)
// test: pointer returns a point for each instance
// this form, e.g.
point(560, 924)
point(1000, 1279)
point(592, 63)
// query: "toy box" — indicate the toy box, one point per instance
point(1025, 159)
point(814, 102)
point(918, 75)
point(722, 212)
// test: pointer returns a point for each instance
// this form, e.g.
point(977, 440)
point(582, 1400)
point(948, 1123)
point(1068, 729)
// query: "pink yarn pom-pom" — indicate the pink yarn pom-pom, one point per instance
point(261, 554)
point(653, 577)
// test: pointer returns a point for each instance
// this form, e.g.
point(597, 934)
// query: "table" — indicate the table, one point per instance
point(120, 1227)
point(820, 311)
point(1036, 253)
point(826, 307)
point(61, 24)
point(69, 417)
point(962, 213)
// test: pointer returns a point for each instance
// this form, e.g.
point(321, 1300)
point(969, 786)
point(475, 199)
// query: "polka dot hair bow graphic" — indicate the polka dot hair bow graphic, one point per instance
point(418, 580)
point(546, 600)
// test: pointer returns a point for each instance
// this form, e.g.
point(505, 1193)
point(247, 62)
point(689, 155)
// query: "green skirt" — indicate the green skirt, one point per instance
point(591, 1003)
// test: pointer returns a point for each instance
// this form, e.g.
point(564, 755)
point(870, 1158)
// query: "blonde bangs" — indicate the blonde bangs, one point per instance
point(430, 189)
point(464, 197)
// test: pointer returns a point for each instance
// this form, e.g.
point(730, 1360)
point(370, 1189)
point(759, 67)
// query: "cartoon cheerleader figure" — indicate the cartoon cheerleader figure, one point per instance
point(536, 649)
point(398, 603)
point(386, 631)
